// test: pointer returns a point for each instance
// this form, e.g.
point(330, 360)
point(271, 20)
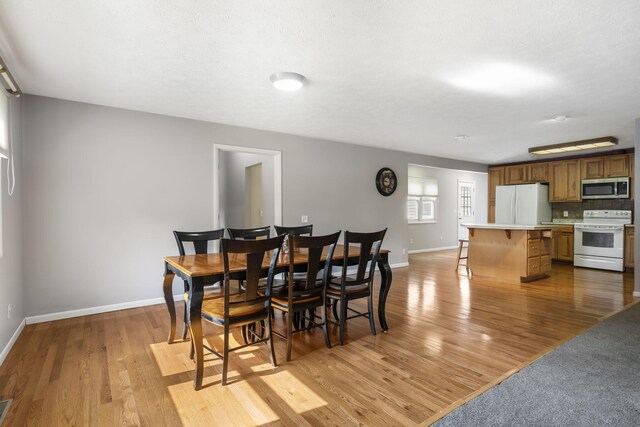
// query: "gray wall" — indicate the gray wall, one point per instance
point(444, 233)
point(232, 201)
point(636, 196)
point(11, 279)
point(104, 188)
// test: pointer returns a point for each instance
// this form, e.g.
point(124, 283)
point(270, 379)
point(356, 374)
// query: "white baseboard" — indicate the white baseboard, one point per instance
point(421, 251)
point(399, 265)
point(636, 294)
point(96, 310)
point(12, 341)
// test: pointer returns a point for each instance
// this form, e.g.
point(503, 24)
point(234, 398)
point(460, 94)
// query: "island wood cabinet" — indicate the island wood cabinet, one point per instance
point(562, 243)
point(564, 180)
point(628, 247)
point(514, 254)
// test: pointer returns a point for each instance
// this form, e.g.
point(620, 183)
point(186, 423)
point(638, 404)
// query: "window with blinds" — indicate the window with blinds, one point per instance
point(422, 200)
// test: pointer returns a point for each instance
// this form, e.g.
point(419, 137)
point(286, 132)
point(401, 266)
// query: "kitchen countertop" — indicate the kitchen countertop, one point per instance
point(508, 226)
point(562, 221)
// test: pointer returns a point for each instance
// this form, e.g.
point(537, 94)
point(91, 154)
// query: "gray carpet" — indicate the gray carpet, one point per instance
point(592, 380)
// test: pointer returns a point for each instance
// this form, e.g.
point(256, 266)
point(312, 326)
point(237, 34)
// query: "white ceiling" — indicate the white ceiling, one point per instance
point(380, 73)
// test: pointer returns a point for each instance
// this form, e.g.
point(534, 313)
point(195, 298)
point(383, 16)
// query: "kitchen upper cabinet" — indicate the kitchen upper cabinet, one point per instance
point(564, 177)
point(538, 172)
point(592, 168)
point(496, 177)
point(616, 166)
point(516, 174)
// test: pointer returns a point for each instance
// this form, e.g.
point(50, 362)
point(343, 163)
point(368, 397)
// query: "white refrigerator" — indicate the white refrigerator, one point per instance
point(526, 204)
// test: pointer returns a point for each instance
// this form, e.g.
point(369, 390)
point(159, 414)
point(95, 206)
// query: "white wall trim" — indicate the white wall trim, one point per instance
point(636, 293)
point(421, 251)
point(399, 265)
point(12, 341)
point(96, 310)
point(277, 179)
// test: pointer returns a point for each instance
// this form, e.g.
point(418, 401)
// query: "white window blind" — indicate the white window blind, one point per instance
point(422, 200)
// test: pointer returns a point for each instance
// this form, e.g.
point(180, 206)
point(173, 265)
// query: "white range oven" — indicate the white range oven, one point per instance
point(599, 240)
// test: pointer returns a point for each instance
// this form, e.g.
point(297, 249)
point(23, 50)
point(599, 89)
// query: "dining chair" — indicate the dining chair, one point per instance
point(304, 295)
point(300, 270)
point(249, 233)
point(349, 287)
point(243, 259)
point(296, 231)
point(200, 241)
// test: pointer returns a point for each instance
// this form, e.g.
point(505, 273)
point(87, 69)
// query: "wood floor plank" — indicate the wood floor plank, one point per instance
point(451, 336)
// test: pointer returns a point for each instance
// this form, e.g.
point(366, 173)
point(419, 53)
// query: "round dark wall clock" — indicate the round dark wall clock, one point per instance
point(386, 181)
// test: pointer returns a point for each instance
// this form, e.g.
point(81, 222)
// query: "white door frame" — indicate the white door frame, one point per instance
point(472, 184)
point(277, 179)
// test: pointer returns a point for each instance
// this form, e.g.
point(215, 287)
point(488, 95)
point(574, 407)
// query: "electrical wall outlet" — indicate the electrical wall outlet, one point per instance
point(411, 241)
point(565, 214)
point(304, 219)
point(404, 251)
point(9, 311)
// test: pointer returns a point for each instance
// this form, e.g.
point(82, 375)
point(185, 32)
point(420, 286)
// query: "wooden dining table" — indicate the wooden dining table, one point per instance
point(206, 269)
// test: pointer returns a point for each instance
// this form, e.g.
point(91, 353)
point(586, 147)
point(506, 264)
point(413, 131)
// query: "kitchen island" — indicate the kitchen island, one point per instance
point(509, 252)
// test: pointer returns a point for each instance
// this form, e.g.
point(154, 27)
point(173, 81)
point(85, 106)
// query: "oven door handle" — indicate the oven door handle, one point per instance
point(599, 227)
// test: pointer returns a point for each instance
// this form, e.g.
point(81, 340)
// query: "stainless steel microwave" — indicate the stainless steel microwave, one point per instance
point(607, 188)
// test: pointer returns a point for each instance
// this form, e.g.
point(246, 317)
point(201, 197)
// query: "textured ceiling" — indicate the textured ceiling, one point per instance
point(386, 74)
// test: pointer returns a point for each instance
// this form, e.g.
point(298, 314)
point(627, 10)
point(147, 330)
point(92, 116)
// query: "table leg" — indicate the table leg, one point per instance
point(196, 293)
point(167, 288)
point(385, 273)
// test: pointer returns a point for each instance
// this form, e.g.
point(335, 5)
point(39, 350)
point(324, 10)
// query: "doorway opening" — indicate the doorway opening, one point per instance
point(247, 187)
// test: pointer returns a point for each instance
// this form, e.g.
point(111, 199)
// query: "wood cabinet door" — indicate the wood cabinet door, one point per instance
point(592, 168)
point(538, 172)
point(574, 193)
point(628, 247)
point(565, 246)
point(632, 165)
point(491, 217)
point(616, 166)
point(496, 177)
point(516, 174)
point(558, 181)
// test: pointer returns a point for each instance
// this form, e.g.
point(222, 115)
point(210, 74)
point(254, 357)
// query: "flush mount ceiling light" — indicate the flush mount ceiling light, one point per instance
point(502, 79)
point(560, 118)
point(287, 81)
point(587, 144)
point(461, 137)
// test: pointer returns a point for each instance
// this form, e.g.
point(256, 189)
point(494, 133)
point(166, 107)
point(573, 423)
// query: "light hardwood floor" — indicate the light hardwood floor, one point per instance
point(450, 338)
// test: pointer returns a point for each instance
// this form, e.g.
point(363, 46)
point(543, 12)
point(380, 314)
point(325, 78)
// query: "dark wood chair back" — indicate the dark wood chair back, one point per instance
point(200, 239)
point(249, 233)
point(313, 248)
point(368, 245)
point(296, 231)
point(255, 252)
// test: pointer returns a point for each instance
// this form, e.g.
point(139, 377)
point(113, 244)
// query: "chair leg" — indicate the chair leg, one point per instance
point(192, 352)
point(185, 321)
point(244, 334)
point(289, 336)
point(272, 353)
point(225, 355)
point(334, 306)
point(343, 319)
point(325, 326)
point(372, 322)
point(459, 255)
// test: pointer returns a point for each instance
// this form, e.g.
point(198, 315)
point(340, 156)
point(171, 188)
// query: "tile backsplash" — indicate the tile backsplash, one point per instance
point(575, 208)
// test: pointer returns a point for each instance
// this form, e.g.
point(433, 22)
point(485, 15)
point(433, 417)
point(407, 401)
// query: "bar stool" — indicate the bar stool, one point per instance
point(461, 245)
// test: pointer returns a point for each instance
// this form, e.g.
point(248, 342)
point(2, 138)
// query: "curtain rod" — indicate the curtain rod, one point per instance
point(10, 83)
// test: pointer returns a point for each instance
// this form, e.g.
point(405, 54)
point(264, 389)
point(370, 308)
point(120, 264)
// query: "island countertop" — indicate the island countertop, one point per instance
point(509, 226)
